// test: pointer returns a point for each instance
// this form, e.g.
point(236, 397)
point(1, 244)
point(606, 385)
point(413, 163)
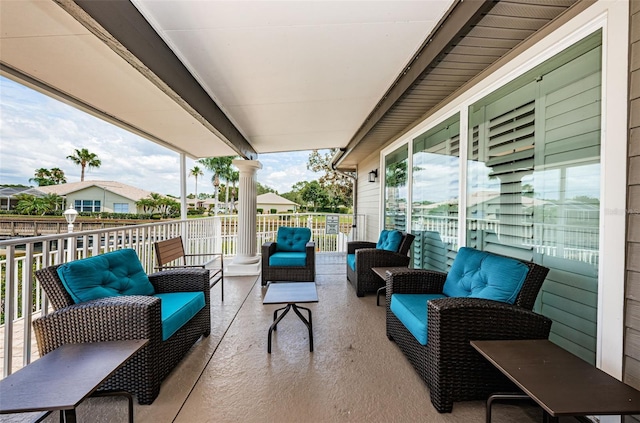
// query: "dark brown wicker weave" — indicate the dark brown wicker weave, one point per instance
point(448, 364)
point(368, 256)
point(126, 317)
point(306, 273)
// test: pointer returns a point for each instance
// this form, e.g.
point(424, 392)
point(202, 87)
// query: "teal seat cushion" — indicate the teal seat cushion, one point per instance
point(106, 275)
point(389, 240)
point(177, 308)
point(411, 310)
point(351, 261)
point(292, 239)
point(288, 259)
point(478, 274)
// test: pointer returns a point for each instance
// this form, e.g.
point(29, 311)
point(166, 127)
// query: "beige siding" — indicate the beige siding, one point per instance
point(106, 198)
point(368, 196)
point(631, 369)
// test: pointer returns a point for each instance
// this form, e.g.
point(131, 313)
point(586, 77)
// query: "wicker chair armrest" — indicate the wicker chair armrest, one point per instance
point(269, 248)
point(105, 319)
point(366, 258)
point(355, 245)
point(469, 319)
point(180, 280)
point(415, 281)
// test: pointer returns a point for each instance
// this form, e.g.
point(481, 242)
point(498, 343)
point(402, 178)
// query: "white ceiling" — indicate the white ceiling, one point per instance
point(291, 75)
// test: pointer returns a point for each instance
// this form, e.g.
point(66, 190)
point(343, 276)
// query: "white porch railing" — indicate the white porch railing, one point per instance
point(21, 297)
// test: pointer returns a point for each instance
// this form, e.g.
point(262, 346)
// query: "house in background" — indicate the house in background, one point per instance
point(271, 201)
point(8, 196)
point(99, 196)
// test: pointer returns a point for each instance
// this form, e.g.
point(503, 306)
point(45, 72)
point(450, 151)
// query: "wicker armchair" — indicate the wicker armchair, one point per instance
point(368, 256)
point(448, 364)
point(122, 318)
point(281, 270)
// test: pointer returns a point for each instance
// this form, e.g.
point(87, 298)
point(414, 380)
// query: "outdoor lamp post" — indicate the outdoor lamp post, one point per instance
point(70, 215)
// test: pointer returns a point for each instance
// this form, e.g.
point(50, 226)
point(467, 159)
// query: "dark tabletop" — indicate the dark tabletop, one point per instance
point(560, 382)
point(61, 379)
point(382, 271)
point(291, 292)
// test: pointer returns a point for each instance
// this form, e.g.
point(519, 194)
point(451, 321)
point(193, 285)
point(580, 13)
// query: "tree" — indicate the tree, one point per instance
point(313, 194)
point(337, 186)
point(195, 172)
point(263, 189)
point(221, 168)
point(30, 204)
point(84, 158)
point(44, 177)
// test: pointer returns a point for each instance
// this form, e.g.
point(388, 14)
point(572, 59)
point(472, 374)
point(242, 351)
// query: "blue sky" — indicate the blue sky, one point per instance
point(37, 131)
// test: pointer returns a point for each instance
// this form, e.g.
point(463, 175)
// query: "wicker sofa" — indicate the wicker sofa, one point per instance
point(445, 360)
point(125, 317)
point(364, 255)
point(292, 257)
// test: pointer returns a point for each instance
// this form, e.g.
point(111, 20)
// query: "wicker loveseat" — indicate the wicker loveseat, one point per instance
point(139, 314)
point(292, 257)
point(440, 351)
point(364, 255)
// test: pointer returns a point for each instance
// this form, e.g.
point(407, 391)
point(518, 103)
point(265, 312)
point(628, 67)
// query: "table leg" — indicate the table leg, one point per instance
point(308, 323)
point(275, 315)
point(381, 290)
point(502, 396)
point(275, 324)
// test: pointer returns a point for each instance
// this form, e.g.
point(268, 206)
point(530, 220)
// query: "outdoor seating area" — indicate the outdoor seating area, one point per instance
point(291, 257)
point(392, 249)
point(108, 297)
point(433, 317)
point(354, 372)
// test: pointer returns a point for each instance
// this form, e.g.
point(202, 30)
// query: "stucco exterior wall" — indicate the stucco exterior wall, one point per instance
point(106, 198)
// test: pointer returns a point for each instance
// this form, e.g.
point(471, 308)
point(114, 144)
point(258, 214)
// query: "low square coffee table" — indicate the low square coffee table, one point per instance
point(290, 293)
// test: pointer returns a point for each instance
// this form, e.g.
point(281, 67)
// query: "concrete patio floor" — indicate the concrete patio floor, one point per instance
point(355, 373)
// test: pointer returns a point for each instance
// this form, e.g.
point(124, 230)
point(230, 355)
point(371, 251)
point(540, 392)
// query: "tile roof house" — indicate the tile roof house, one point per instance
point(99, 196)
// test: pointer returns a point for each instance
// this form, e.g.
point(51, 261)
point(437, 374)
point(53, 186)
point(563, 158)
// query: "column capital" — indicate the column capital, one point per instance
point(247, 165)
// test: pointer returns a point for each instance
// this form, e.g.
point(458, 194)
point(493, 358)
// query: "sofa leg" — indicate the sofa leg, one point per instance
point(441, 405)
point(360, 294)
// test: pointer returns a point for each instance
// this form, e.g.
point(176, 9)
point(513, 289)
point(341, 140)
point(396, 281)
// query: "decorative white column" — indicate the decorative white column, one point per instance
point(247, 261)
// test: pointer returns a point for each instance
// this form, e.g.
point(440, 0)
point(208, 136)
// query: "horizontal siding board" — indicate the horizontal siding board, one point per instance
point(584, 353)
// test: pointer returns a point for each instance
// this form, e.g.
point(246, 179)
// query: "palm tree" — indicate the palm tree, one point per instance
point(220, 166)
point(195, 172)
point(42, 177)
point(57, 176)
point(84, 158)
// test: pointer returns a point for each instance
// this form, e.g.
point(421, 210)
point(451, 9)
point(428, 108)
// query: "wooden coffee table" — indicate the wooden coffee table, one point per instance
point(62, 379)
point(560, 382)
point(291, 293)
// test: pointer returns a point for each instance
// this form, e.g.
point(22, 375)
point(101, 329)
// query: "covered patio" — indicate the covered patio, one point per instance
point(382, 113)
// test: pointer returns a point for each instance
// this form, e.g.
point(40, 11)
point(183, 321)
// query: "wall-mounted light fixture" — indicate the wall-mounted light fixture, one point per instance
point(373, 175)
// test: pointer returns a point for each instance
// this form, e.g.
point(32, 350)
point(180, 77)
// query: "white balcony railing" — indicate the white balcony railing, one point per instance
point(21, 297)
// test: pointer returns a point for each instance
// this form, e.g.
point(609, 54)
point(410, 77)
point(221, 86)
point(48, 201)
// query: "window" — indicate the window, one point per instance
point(87, 205)
point(121, 207)
point(533, 184)
point(395, 193)
point(434, 204)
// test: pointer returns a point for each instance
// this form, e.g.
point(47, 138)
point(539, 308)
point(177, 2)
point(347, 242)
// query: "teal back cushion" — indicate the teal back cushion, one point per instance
point(478, 274)
point(292, 239)
point(106, 275)
point(389, 240)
